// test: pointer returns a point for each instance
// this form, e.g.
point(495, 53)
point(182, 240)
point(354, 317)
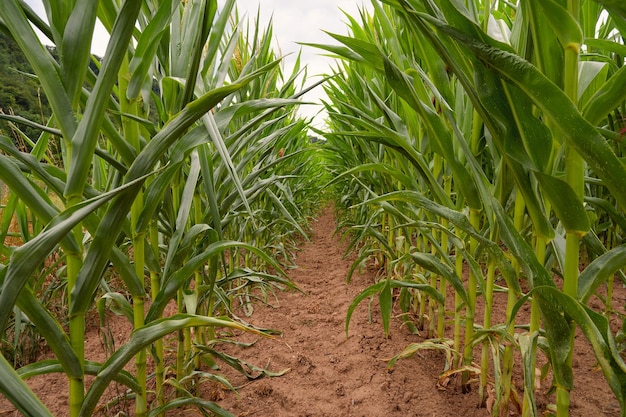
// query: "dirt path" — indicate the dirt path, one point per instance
point(331, 375)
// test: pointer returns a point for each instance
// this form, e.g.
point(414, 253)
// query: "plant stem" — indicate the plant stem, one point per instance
point(468, 351)
point(488, 300)
point(155, 287)
point(574, 172)
point(131, 133)
point(458, 303)
point(535, 325)
point(443, 284)
point(76, 324)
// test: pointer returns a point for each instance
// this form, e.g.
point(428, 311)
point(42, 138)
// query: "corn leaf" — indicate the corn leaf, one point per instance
point(379, 287)
point(100, 249)
point(174, 281)
point(599, 270)
point(20, 394)
point(186, 402)
point(28, 257)
point(49, 366)
point(597, 331)
point(43, 64)
point(553, 102)
point(139, 340)
point(562, 22)
point(85, 139)
point(566, 204)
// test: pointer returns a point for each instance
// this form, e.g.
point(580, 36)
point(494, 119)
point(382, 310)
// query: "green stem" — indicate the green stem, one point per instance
point(155, 288)
point(391, 242)
point(421, 297)
point(528, 410)
point(77, 384)
point(518, 221)
point(434, 278)
point(484, 361)
point(180, 304)
point(443, 284)
point(574, 172)
point(141, 407)
point(131, 133)
point(76, 325)
point(468, 351)
point(458, 303)
point(180, 346)
point(198, 331)
point(507, 357)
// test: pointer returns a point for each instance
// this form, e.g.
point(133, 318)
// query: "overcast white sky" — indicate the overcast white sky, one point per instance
point(293, 21)
point(304, 21)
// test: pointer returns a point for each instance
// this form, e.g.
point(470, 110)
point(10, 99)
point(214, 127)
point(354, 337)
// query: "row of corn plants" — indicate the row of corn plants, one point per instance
point(476, 146)
point(184, 175)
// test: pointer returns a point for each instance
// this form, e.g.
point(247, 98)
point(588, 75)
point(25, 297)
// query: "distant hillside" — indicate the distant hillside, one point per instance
point(20, 93)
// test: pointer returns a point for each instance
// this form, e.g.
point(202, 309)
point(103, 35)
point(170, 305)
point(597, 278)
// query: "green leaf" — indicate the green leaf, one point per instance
point(534, 134)
point(142, 338)
point(211, 126)
point(119, 305)
point(365, 50)
point(287, 216)
point(615, 6)
point(224, 117)
point(527, 345)
point(174, 281)
point(32, 196)
point(199, 33)
point(147, 45)
point(438, 132)
point(51, 330)
point(608, 97)
point(75, 49)
point(86, 137)
point(28, 257)
point(562, 23)
point(48, 366)
point(591, 78)
point(597, 331)
point(183, 212)
point(567, 206)
point(607, 45)
point(20, 394)
point(192, 401)
point(385, 300)
point(555, 104)
point(598, 271)
point(42, 63)
point(379, 287)
point(100, 249)
point(434, 264)
point(617, 217)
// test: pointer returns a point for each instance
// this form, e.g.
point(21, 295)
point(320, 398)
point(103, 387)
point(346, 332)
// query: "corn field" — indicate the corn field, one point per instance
point(473, 149)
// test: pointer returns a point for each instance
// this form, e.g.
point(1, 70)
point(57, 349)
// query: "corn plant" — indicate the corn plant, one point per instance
point(164, 151)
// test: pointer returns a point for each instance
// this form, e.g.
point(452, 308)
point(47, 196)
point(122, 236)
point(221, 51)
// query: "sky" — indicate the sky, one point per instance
point(293, 21)
point(305, 21)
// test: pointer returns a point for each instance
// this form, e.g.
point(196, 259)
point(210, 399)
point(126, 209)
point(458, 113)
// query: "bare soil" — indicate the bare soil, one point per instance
point(329, 374)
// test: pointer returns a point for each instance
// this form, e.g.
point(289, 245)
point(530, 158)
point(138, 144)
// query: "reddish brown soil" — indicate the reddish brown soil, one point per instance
point(331, 375)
